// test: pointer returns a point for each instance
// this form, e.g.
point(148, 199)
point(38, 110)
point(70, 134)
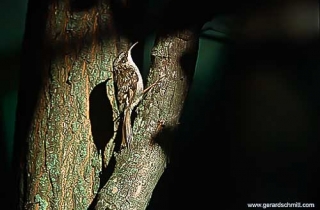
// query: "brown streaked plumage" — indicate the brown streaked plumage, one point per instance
point(129, 90)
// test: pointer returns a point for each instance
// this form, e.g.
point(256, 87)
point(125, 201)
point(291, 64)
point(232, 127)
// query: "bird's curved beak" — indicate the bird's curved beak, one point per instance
point(133, 46)
point(129, 51)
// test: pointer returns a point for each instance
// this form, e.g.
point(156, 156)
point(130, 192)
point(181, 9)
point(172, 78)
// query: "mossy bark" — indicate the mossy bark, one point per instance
point(65, 154)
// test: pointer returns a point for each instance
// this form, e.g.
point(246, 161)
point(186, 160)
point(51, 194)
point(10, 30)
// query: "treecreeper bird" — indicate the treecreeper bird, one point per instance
point(129, 90)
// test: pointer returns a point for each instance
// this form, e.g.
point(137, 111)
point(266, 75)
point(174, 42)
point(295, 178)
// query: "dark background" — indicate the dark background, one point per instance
point(12, 20)
point(250, 127)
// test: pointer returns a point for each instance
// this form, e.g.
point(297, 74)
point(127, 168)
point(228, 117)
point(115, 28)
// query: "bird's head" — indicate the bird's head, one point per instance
point(124, 58)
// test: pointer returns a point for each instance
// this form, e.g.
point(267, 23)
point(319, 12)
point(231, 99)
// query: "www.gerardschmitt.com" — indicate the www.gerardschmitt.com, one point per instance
point(281, 205)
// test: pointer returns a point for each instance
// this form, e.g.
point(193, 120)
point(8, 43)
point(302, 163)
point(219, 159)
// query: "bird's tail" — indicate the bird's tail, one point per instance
point(126, 129)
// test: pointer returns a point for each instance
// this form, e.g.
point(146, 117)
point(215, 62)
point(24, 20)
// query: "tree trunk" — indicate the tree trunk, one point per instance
point(73, 134)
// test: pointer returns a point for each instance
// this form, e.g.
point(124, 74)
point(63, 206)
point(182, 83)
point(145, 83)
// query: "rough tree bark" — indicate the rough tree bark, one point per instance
point(73, 134)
